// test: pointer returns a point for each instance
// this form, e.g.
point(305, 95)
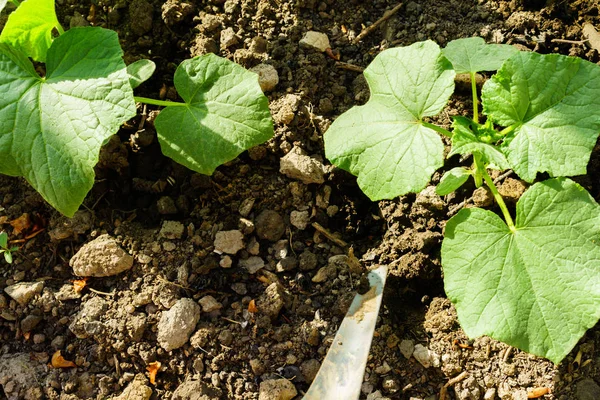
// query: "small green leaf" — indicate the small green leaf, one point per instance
point(8, 257)
point(465, 141)
point(51, 129)
point(384, 142)
point(452, 180)
point(225, 113)
point(537, 288)
point(474, 55)
point(140, 71)
point(554, 103)
point(30, 27)
point(3, 240)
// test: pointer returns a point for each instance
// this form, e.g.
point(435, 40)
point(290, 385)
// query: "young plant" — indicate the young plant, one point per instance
point(5, 250)
point(52, 127)
point(532, 281)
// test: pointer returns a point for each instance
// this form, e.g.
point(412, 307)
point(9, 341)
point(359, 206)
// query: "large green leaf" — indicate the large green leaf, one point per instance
point(30, 27)
point(384, 142)
point(554, 103)
point(51, 129)
point(474, 55)
point(537, 288)
point(225, 112)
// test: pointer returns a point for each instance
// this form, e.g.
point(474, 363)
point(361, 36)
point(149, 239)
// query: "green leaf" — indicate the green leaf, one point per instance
point(554, 103)
point(537, 288)
point(452, 180)
point(3, 240)
point(51, 129)
point(474, 55)
point(8, 257)
point(30, 27)
point(384, 142)
point(140, 71)
point(225, 112)
point(465, 142)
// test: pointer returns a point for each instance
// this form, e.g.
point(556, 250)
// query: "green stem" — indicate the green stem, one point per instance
point(479, 169)
point(437, 129)
point(16, 2)
point(508, 130)
point(161, 103)
point(500, 201)
point(60, 29)
point(475, 101)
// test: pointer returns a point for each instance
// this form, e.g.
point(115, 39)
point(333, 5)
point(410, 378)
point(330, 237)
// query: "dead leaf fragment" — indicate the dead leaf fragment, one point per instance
point(537, 392)
point(79, 284)
point(153, 369)
point(21, 224)
point(252, 307)
point(58, 361)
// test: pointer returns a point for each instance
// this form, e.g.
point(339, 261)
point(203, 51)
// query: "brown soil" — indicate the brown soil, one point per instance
point(109, 330)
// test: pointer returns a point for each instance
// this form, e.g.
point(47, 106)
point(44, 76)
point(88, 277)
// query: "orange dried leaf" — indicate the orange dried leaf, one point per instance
point(252, 307)
point(537, 392)
point(153, 369)
point(27, 335)
point(21, 224)
point(3, 220)
point(58, 361)
point(79, 284)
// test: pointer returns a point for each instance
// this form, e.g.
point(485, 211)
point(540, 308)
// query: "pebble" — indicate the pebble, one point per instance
point(271, 301)
point(23, 292)
point(300, 219)
point(229, 242)
point(423, 355)
point(252, 264)
point(226, 337)
point(246, 206)
point(240, 288)
point(177, 324)
point(226, 262)
point(297, 165)
point(308, 261)
point(138, 389)
point(253, 246)
point(490, 394)
point(246, 226)
point(30, 322)
point(101, 257)
point(257, 366)
point(268, 77)
point(277, 389)
point(309, 369)
point(407, 347)
point(169, 246)
point(587, 389)
point(325, 273)
point(376, 396)
point(286, 264)
point(270, 225)
point(209, 304)
point(171, 230)
point(315, 40)
point(383, 369)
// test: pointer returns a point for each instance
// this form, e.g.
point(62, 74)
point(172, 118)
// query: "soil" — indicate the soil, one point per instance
point(245, 331)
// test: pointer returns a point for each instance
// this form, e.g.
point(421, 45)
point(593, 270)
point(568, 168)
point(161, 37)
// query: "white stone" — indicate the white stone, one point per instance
point(268, 77)
point(300, 219)
point(302, 167)
point(23, 292)
point(177, 324)
point(229, 242)
point(423, 355)
point(209, 304)
point(253, 264)
point(316, 40)
point(407, 347)
point(101, 257)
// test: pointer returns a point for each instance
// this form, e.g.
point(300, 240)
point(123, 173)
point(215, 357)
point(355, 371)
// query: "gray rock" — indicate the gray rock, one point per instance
point(277, 389)
point(308, 261)
point(268, 77)
point(226, 262)
point(587, 389)
point(429, 199)
point(193, 389)
point(239, 288)
point(138, 389)
point(171, 230)
point(423, 355)
point(30, 322)
point(101, 257)
point(229, 242)
point(246, 206)
point(272, 300)
point(86, 322)
point(300, 219)
point(299, 166)
point(286, 264)
point(309, 369)
point(326, 273)
point(316, 40)
point(252, 264)
point(209, 304)
point(23, 292)
point(270, 225)
point(407, 347)
point(177, 324)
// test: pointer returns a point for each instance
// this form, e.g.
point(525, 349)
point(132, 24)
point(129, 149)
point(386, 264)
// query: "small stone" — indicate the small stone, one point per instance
point(240, 288)
point(253, 246)
point(309, 369)
point(229, 242)
point(392, 341)
point(383, 369)
point(258, 367)
point(308, 261)
point(272, 300)
point(299, 166)
point(277, 389)
point(325, 273)
point(23, 292)
point(226, 337)
point(407, 347)
point(169, 246)
point(252, 264)
point(246, 226)
point(300, 219)
point(490, 394)
point(177, 324)
point(246, 206)
point(423, 355)
point(286, 264)
point(30, 322)
point(228, 38)
point(587, 389)
point(138, 389)
point(101, 257)
point(226, 262)
point(171, 230)
point(268, 77)
point(166, 206)
point(39, 338)
point(209, 304)
point(316, 40)
point(270, 225)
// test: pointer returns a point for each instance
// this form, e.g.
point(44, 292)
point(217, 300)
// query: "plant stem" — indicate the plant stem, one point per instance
point(60, 29)
point(479, 169)
point(508, 130)
point(475, 103)
point(500, 201)
point(436, 128)
point(155, 102)
point(16, 2)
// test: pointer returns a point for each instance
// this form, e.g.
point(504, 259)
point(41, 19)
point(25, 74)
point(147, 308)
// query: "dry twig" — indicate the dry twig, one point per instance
point(380, 21)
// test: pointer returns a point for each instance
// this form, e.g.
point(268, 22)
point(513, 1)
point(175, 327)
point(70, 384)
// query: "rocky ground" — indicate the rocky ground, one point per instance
point(174, 285)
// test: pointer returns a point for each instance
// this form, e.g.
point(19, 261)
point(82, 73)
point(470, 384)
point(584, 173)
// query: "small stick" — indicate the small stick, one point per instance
point(99, 292)
point(507, 354)
point(569, 41)
point(503, 176)
point(452, 382)
point(328, 235)
point(380, 21)
point(348, 66)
